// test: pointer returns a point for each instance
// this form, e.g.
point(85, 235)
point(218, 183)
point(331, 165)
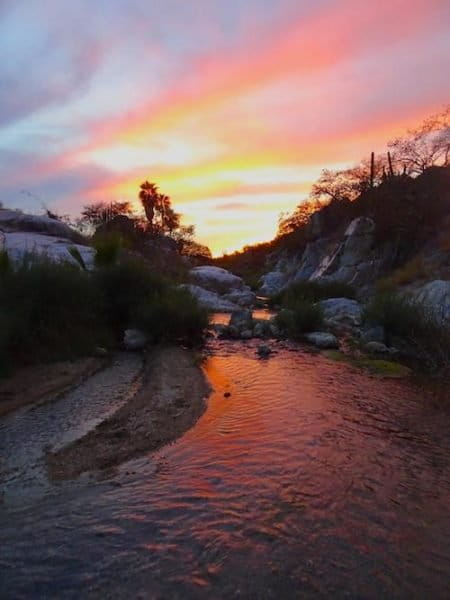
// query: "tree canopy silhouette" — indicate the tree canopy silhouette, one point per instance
point(160, 215)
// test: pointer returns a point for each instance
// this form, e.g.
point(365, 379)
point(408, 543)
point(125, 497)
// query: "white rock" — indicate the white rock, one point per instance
point(322, 339)
point(13, 220)
point(210, 300)
point(21, 243)
point(216, 279)
point(272, 283)
point(435, 297)
point(342, 311)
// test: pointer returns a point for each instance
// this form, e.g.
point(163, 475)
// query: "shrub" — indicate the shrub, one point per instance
point(312, 291)
point(52, 312)
point(411, 322)
point(107, 249)
point(56, 311)
point(301, 317)
point(124, 288)
point(75, 253)
point(4, 262)
point(172, 314)
point(413, 270)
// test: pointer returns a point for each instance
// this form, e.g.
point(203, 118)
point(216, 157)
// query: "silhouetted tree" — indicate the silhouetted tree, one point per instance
point(425, 146)
point(101, 213)
point(148, 195)
point(158, 209)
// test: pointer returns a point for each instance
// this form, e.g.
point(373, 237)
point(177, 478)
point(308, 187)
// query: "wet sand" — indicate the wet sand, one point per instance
point(170, 401)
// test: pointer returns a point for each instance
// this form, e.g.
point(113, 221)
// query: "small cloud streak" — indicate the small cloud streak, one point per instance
point(233, 117)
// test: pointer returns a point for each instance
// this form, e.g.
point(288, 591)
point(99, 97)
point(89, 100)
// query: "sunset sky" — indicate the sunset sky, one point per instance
point(232, 106)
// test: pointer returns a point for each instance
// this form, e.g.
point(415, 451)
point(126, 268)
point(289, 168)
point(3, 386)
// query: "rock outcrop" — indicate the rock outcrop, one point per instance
point(220, 290)
point(14, 220)
point(352, 259)
point(22, 235)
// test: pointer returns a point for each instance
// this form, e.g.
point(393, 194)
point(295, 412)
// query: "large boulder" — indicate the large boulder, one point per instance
point(323, 340)
point(220, 281)
point(210, 300)
point(435, 297)
point(272, 283)
point(241, 319)
point(241, 297)
point(216, 279)
point(13, 220)
point(20, 244)
point(341, 311)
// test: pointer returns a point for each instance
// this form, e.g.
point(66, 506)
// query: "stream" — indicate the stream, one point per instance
point(309, 479)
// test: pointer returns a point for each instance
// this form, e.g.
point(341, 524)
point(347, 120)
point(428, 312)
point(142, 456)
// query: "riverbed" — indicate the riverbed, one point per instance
point(304, 478)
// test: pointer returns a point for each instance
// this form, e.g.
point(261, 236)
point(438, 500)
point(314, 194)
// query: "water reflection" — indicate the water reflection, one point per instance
point(310, 480)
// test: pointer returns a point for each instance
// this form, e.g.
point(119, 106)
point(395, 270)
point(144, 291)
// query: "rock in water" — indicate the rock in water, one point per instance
point(320, 339)
point(242, 319)
point(134, 339)
point(246, 334)
point(264, 351)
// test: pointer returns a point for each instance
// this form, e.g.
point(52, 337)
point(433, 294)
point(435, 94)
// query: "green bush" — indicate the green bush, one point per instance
point(52, 312)
point(134, 295)
point(107, 249)
point(313, 291)
point(56, 311)
point(124, 287)
point(172, 314)
point(301, 317)
point(4, 261)
point(410, 322)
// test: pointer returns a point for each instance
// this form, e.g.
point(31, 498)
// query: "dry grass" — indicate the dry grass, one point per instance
point(413, 270)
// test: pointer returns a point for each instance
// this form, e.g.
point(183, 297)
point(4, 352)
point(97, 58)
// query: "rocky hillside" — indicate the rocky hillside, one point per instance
point(393, 236)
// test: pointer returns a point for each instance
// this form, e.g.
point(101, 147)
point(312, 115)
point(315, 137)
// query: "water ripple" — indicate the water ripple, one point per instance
point(310, 480)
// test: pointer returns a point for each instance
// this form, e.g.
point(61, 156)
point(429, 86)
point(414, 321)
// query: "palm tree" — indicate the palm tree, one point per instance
point(149, 196)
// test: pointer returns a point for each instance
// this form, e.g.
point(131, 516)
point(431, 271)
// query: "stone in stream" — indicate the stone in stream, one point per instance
point(241, 319)
point(246, 334)
point(134, 339)
point(264, 350)
point(261, 329)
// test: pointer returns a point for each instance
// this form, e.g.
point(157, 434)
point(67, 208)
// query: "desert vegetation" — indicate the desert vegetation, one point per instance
point(57, 311)
point(52, 310)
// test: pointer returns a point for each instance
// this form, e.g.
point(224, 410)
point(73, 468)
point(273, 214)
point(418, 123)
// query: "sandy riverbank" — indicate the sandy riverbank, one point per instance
point(38, 384)
point(170, 401)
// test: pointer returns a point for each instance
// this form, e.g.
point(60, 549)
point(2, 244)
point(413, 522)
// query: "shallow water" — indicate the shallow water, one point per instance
point(311, 480)
point(25, 435)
